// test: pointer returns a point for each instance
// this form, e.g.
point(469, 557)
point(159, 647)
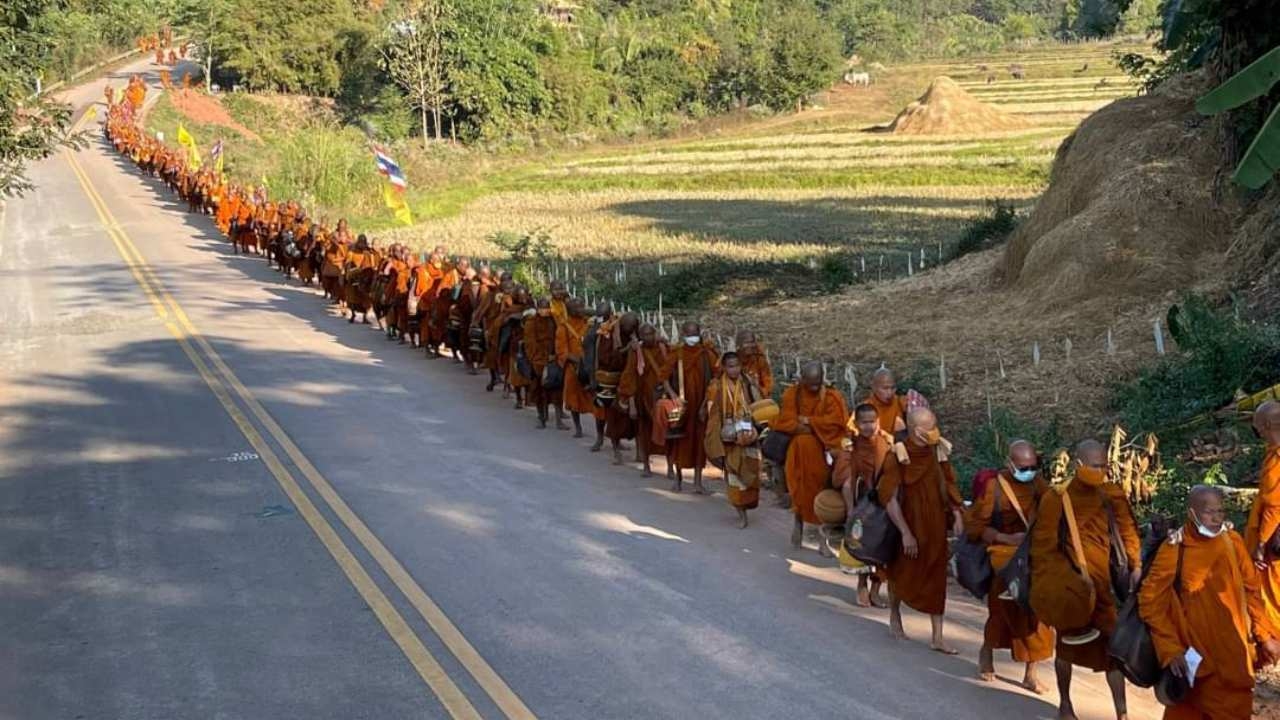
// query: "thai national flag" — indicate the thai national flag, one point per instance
point(388, 167)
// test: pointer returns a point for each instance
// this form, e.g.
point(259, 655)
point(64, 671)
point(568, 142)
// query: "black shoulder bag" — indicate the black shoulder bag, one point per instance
point(1130, 646)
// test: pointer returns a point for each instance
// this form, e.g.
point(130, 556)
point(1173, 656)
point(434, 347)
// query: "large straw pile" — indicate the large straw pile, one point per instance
point(947, 109)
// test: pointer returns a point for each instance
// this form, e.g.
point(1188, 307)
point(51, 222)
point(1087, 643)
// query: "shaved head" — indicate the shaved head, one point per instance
point(1207, 504)
point(628, 323)
point(648, 334)
point(1022, 454)
point(1266, 422)
point(811, 375)
point(922, 427)
point(1091, 453)
point(921, 418)
point(884, 385)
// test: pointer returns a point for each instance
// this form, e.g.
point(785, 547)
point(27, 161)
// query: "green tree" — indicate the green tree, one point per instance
point(414, 52)
point(31, 128)
point(295, 46)
point(206, 23)
point(804, 57)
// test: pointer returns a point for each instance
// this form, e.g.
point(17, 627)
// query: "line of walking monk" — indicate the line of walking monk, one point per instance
point(1204, 591)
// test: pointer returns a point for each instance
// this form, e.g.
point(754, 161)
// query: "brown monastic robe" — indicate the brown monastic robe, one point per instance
point(927, 493)
point(640, 385)
point(1051, 564)
point(1008, 625)
point(697, 366)
point(611, 356)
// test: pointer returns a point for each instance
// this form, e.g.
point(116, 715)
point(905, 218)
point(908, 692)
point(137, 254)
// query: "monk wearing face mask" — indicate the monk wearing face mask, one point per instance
point(1201, 595)
point(1060, 577)
point(918, 489)
point(1000, 518)
point(687, 373)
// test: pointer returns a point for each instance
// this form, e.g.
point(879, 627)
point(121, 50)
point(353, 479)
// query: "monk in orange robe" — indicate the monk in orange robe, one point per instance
point(569, 356)
point(687, 373)
point(890, 406)
point(918, 489)
point(1202, 592)
point(450, 278)
point(397, 316)
point(490, 314)
point(159, 55)
point(510, 337)
point(614, 338)
point(639, 389)
point(1264, 517)
point(814, 415)
point(1094, 502)
point(473, 282)
point(335, 258)
point(436, 266)
point(360, 266)
point(755, 363)
point(1000, 518)
point(854, 474)
point(732, 443)
point(538, 336)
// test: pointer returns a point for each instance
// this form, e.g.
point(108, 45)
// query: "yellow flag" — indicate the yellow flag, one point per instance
point(395, 201)
point(188, 142)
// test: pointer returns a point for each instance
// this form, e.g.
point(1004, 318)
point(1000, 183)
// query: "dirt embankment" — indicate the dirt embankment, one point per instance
point(1130, 222)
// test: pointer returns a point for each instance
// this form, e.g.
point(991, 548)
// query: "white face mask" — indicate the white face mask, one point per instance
point(1204, 531)
point(691, 340)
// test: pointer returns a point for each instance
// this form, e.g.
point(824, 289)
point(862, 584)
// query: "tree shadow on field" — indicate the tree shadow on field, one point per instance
point(854, 224)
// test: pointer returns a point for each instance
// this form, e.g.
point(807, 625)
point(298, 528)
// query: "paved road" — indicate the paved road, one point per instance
point(218, 500)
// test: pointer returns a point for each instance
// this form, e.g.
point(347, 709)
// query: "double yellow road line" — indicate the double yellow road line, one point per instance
point(225, 384)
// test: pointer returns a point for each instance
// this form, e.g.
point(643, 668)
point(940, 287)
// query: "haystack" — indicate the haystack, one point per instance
point(947, 109)
point(1130, 211)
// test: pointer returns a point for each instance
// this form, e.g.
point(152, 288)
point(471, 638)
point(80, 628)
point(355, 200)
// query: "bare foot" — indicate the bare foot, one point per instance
point(864, 599)
point(617, 458)
point(896, 632)
point(742, 519)
point(943, 648)
point(701, 489)
point(986, 675)
point(877, 602)
point(1035, 686)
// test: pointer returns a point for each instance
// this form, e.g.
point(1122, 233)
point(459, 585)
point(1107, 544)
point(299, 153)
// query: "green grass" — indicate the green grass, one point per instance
point(1017, 174)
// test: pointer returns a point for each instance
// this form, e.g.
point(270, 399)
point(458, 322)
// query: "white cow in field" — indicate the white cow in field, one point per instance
point(858, 79)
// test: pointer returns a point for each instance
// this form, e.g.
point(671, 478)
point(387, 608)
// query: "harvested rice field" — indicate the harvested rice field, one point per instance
point(798, 204)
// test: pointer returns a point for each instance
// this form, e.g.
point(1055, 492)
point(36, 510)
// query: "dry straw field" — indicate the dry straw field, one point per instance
point(786, 206)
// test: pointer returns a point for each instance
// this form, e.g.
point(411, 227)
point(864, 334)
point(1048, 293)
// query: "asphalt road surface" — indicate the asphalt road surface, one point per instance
point(220, 500)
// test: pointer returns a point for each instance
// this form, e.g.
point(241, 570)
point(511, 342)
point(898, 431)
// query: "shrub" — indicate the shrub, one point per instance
point(987, 230)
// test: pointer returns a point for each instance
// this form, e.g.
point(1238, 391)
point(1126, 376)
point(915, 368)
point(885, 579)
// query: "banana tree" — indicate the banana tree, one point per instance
point(1262, 159)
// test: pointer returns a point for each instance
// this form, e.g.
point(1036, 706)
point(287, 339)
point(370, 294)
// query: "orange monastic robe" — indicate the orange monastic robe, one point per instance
point(807, 470)
point(927, 493)
point(441, 302)
point(1211, 608)
point(756, 367)
point(697, 366)
point(892, 415)
point(1050, 565)
point(569, 334)
point(539, 336)
point(1264, 520)
point(1008, 625)
point(639, 386)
